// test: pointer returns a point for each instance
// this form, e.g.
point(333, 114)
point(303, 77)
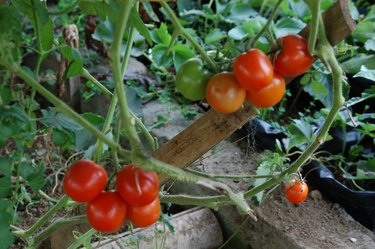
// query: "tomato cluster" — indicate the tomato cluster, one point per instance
point(136, 197)
point(254, 77)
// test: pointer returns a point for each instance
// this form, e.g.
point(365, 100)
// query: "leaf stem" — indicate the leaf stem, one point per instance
point(40, 222)
point(58, 224)
point(314, 6)
point(179, 30)
point(252, 42)
point(128, 121)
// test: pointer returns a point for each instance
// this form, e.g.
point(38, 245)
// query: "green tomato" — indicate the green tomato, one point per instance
point(192, 78)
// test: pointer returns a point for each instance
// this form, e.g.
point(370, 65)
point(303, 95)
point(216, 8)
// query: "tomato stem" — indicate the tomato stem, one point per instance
point(42, 220)
point(40, 237)
point(128, 121)
point(314, 6)
point(251, 43)
point(179, 29)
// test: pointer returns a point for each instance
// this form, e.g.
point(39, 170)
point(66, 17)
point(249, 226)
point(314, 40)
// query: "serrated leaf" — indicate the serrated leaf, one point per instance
point(180, 54)
point(159, 55)
point(161, 35)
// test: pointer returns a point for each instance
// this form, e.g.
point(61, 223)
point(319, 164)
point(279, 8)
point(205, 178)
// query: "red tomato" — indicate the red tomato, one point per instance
point(107, 212)
point(294, 58)
point(144, 216)
point(253, 70)
point(137, 195)
point(270, 95)
point(224, 93)
point(297, 192)
point(84, 180)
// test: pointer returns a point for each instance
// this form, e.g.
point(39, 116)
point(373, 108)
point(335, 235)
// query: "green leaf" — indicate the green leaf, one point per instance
point(37, 12)
point(367, 94)
point(58, 120)
point(10, 35)
point(288, 25)
point(321, 89)
point(5, 166)
point(237, 33)
point(183, 5)
point(10, 23)
point(150, 11)
point(214, 36)
point(366, 73)
point(5, 187)
point(33, 176)
point(242, 12)
point(74, 68)
point(370, 45)
point(300, 133)
point(159, 55)
point(136, 22)
point(6, 237)
point(161, 35)
point(180, 54)
point(353, 65)
point(104, 31)
point(96, 8)
point(268, 164)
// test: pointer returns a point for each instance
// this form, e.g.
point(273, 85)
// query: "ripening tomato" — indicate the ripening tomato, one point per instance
point(191, 79)
point(107, 212)
point(293, 59)
point(224, 93)
point(144, 216)
point(253, 70)
point(296, 192)
point(137, 187)
point(270, 95)
point(84, 180)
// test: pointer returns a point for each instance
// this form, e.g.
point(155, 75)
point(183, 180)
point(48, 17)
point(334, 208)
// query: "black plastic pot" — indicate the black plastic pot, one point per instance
point(359, 204)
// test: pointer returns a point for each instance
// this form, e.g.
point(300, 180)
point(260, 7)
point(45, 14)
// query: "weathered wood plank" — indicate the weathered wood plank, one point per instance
point(213, 127)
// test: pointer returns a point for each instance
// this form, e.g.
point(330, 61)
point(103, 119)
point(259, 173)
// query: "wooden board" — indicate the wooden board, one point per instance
point(213, 127)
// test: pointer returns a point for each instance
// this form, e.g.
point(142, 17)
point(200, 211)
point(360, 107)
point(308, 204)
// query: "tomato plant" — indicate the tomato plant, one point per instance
point(253, 70)
point(84, 180)
point(296, 192)
point(293, 59)
point(191, 79)
point(143, 216)
point(137, 187)
point(224, 93)
point(270, 95)
point(106, 213)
